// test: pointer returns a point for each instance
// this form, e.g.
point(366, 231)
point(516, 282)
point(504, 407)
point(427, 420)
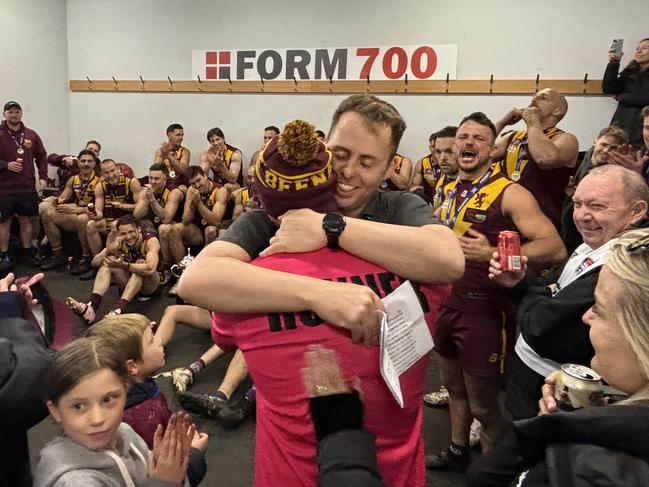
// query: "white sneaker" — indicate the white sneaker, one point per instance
point(437, 398)
point(474, 434)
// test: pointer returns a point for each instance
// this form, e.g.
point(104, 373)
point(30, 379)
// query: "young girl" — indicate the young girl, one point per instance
point(133, 343)
point(85, 389)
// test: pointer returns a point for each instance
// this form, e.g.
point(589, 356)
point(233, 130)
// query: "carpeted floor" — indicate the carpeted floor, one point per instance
point(230, 454)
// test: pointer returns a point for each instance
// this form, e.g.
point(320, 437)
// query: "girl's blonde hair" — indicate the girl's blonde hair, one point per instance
point(629, 262)
point(123, 333)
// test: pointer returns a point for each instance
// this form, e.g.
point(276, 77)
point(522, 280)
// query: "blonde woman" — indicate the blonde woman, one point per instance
point(607, 445)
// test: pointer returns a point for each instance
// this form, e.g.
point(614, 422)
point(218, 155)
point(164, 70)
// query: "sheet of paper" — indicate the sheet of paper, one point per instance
point(405, 337)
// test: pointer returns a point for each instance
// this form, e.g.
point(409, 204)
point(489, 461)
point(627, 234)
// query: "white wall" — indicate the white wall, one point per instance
point(34, 66)
point(154, 39)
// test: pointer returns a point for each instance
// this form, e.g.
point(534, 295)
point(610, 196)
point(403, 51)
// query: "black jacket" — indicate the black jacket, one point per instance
point(23, 357)
point(553, 326)
point(602, 446)
point(346, 452)
point(632, 93)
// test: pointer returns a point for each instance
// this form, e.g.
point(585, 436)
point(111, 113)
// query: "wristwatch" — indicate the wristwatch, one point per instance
point(333, 225)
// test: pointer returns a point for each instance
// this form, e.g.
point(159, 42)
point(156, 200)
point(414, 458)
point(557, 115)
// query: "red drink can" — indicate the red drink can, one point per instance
point(509, 249)
point(91, 209)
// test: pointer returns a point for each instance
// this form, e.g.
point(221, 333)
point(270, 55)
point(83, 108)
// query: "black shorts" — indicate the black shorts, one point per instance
point(22, 204)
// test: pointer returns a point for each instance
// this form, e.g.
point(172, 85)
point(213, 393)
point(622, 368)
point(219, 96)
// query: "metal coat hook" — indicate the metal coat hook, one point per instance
point(230, 85)
point(142, 82)
point(89, 83)
point(536, 86)
point(261, 88)
point(491, 84)
point(585, 81)
point(115, 81)
point(406, 87)
point(447, 77)
point(368, 83)
point(330, 83)
point(171, 83)
point(295, 87)
point(200, 82)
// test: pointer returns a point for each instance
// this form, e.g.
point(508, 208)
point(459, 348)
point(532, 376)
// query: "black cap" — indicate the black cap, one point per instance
point(11, 104)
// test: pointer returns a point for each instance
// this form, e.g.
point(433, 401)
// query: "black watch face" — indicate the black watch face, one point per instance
point(334, 223)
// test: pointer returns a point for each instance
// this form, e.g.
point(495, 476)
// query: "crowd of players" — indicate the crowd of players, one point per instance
point(477, 180)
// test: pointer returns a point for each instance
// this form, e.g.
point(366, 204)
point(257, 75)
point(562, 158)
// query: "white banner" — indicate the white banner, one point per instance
point(333, 63)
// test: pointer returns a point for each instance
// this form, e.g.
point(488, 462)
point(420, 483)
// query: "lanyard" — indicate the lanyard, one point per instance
point(450, 221)
point(19, 144)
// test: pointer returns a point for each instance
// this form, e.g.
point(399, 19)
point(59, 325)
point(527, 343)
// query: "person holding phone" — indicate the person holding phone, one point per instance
point(630, 87)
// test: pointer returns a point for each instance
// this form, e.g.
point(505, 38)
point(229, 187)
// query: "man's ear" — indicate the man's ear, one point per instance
point(389, 168)
point(132, 367)
point(639, 211)
point(54, 411)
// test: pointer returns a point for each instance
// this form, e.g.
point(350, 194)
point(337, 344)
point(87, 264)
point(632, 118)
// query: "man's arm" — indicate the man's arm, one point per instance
point(548, 153)
point(99, 201)
point(170, 209)
point(544, 247)
point(231, 174)
point(401, 179)
point(67, 192)
point(260, 290)
point(238, 203)
point(141, 208)
point(157, 157)
point(417, 179)
point(150, 266)
point(40, 156)
point(426, 254)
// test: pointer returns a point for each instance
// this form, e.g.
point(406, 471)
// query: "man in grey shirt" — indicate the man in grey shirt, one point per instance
point(395, 230)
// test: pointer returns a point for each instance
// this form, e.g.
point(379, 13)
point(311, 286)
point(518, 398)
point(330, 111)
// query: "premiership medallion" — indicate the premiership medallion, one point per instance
point(20, 151)
point(516, 175)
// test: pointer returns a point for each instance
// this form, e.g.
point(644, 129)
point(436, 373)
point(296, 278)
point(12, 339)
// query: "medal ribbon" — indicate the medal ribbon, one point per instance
point(19, 144)
point(450, 220)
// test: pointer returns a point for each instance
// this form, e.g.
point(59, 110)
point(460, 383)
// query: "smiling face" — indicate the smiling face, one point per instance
point(642, 53)
point(217, 143)
point(362, 155)
point(110, 172)
point(157, 180)
point(91, 412)
point(602, 147)
point(614, 358)
point(176, 137)
point(129, 233)
point(601, 211)
point(200, 182)
point(473, 147)
point(94, 148)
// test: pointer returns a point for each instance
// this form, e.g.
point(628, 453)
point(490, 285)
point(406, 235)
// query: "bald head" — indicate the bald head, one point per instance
point(551, 103)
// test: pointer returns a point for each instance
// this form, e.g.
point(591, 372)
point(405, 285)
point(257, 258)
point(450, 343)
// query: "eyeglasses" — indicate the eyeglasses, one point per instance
point(640, 244)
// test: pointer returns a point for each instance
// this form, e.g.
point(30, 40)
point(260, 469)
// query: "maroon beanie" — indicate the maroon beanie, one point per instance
point(294, 171)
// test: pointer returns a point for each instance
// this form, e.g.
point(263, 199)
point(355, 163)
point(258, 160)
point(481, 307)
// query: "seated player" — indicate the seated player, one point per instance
point(426, 172)
point(115, 195)
point(130, 259)
point(204, 207)
point(399, 174)
point(70, 213)
point(269, 132)
point(273, 345)
point(222, 160)
point(160, 201)
point(174, 156)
